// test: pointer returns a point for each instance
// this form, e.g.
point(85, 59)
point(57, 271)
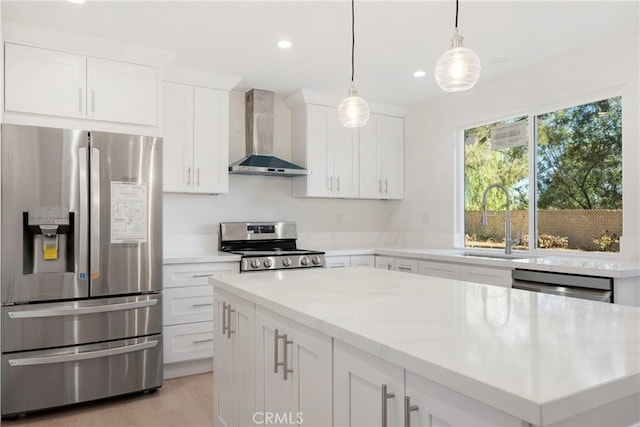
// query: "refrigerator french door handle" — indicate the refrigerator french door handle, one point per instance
point(45, 360)
point(95, 213)
point(83, 238)
point(54, 312)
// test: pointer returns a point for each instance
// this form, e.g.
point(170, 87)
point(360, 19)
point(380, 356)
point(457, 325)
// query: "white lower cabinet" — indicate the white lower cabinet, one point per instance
point(434, 405)
point(293, 372)
point(470, 273)
point(234, 361)
point(188, 316)
point(369, 391)
point(366, 389)
point(398, 264)
point(385, 262)
point(350, 261)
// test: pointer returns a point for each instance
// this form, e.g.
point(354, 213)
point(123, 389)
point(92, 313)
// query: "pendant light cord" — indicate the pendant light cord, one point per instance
point(353, 38)
point(456, 14)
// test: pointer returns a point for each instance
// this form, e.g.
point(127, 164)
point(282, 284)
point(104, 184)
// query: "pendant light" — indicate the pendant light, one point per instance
point(458, 68)
point(353, 111)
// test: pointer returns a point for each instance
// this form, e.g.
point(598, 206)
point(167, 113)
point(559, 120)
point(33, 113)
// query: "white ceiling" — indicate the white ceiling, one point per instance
point(393, 38)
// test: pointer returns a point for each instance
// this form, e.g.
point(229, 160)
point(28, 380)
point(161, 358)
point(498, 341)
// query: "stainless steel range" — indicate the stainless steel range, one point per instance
point(267, 246)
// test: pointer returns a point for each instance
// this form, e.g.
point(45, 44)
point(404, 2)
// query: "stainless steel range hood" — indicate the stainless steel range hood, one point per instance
point(259, 140)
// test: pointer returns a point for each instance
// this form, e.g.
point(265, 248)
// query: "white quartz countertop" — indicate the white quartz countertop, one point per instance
point(539, 357)
point(187, 257)
point(605, 267)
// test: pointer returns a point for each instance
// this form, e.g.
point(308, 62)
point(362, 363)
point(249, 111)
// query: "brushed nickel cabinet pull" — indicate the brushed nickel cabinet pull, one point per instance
point(276, 337)
point(203, 341)
point(286, 371)
point(385, 396)
point(229, 331)
point(408, 409)
point(224, 318)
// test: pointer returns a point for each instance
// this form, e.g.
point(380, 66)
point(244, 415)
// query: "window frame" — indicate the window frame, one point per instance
point(531, 115)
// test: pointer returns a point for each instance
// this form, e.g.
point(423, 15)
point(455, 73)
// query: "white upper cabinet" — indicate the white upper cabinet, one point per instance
point(195, 127)
point(121, 92)
point(45, 82)
point(382, 158)
point(328, 150)
point(356, 163)
point(53, 83)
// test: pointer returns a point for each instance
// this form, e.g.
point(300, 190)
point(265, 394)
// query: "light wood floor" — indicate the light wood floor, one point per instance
point(181, 402)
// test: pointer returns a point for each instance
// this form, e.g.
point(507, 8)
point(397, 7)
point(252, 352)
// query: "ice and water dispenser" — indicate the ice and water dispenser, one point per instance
point(48, 241)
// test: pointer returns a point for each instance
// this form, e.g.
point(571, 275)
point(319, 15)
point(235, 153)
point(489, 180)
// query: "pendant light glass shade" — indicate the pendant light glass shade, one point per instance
point(353, 111)
point(458, 68)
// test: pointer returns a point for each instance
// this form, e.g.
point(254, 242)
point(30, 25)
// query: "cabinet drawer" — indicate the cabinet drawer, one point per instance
point(407, 265)
point(175, 275)
point(188, 342)
point(337, 261)
point(487, 276)
point(363, 261)
point(438, 269)
point(188, 305)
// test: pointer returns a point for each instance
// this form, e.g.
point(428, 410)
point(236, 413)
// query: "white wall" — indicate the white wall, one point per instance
point(191, 221)
point(430, 152)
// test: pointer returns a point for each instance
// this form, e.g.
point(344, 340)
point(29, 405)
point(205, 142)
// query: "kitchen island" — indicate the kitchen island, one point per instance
point(360, 346)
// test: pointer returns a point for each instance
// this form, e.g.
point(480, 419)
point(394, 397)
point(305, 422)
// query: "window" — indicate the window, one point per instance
point(577, 153)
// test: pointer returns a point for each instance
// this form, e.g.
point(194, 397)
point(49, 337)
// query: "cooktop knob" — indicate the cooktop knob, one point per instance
point(255, 263)
point(304, 260)
point(268, 263)
point(286, 262)
point(315, 260)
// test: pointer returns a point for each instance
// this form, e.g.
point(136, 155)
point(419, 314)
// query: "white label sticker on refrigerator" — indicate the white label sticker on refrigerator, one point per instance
point(128, 212)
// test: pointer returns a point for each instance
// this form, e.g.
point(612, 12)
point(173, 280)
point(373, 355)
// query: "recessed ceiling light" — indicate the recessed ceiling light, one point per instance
point(284, 44)
point(419, 73)
point(76, 1)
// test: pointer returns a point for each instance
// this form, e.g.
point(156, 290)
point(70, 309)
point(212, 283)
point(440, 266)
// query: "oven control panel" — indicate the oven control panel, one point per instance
point(260, 263)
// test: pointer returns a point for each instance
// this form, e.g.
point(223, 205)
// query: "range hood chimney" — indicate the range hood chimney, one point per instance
point(259, 140)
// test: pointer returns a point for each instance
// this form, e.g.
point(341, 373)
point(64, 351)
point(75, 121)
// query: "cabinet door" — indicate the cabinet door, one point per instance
point(393, 157)
point(234, 361)
point(439, 406)
point(371, 185)
point(358, 388)
point(385, 262)
point(44, 81)
point(319, 133)
point(121, 92)
point(211, 141)
point(177, 132)
point(275, 394)
point(304, 396)
point(345, 161)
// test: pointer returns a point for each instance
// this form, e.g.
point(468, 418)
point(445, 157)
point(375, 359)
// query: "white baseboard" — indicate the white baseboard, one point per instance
point(191, 367)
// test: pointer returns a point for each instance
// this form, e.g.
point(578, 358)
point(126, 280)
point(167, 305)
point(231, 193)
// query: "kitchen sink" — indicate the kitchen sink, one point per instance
point(497, 256)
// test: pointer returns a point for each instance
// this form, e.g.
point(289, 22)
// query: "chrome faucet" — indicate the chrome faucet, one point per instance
point(508, 242)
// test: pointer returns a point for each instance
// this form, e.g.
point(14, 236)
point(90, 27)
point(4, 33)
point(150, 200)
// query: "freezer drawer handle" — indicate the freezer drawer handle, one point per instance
point(53, 312)
point(82, 356)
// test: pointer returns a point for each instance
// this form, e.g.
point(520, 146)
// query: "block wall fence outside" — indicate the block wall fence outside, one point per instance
point(580, 226)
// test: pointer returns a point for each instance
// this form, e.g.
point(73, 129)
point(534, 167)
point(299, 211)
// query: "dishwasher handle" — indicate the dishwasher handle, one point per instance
point(583, 293)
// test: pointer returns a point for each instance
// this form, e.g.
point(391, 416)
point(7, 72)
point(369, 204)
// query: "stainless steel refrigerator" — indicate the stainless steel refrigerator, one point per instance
point(81, 274)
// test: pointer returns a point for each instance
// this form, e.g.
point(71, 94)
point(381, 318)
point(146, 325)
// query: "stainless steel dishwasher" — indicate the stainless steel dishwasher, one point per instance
point(568, 285)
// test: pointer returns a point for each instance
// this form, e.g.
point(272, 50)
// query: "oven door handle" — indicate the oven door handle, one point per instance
point(74, 357)
point(72, 311)
point(590, 294)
